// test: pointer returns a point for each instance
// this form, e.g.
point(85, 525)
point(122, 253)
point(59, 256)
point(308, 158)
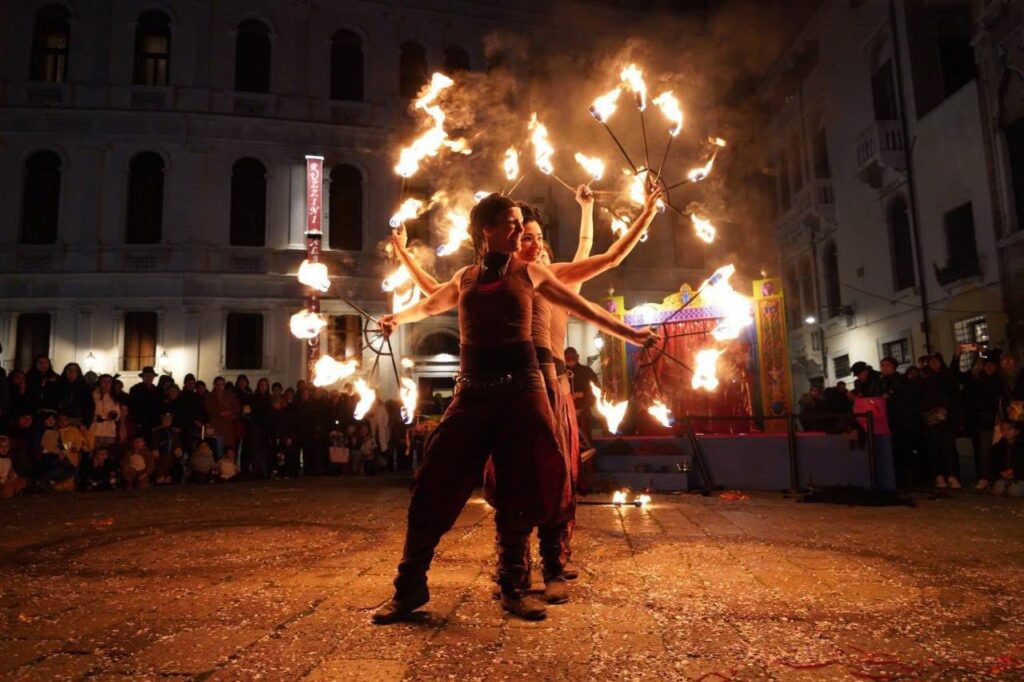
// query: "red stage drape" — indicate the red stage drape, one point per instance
point(732, 398)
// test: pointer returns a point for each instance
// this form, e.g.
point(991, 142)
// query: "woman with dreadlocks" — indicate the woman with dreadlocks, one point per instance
point(549, 328)
point(500, 409)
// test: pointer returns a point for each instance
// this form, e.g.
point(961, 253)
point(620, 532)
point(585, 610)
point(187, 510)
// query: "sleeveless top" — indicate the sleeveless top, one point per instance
point(541, 327)
point(496, 316)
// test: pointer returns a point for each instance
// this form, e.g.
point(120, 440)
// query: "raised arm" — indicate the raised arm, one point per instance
point(585, 198)
point(427, 284)
point(549, 287)
point(442, 300)
point(580, 271)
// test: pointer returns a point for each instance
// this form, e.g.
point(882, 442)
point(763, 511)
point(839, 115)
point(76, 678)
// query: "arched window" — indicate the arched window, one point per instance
point(346, 207)
point(900, 245)
point(808, 307)
point(412, 69)
point(252, 57)
point(455, 59)
point(145, 214)
point(346, 67)
point(248, 203)
point(40, 200)
point(152, 49)
point(438, 343)
point(50, 45)
point(833, 298)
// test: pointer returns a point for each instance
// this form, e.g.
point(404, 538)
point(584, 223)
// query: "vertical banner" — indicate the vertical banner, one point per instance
point(772, 351)
point(314, 240)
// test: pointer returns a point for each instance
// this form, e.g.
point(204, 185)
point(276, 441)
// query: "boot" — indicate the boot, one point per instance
point(569, 571)
point(519, 604)
point(401, 607)
point(556, 591)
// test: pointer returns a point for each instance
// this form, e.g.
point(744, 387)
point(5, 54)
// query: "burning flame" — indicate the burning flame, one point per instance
point(619, 497)
point(619, 226)
point(367, 396)
point(511, 164)
point(669, 106)
point(399, 284)
point(542, 149)
point(704, 374)
point(314, 276)
point(396, 279)
point(307, 325)
point(701, 172)
point(718, 292)
point(402, 300)
point(638, 189)
point(410, 396)
point(605, 105)
point(481, 195)
point(408, 363)
point(660, 412)
point(409, 209)
point(434, 138)
point(703, 228)
point(458, 232)
point(592, 165)
point(611, 411)
point(642, 500)
point(328, 371)
point(632, 76)
point(717, 141)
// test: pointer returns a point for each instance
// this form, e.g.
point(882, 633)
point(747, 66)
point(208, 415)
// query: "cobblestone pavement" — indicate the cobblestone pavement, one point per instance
point(276, 581)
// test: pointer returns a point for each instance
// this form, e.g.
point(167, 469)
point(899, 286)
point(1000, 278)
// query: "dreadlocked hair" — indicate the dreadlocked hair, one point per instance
point(485, 213)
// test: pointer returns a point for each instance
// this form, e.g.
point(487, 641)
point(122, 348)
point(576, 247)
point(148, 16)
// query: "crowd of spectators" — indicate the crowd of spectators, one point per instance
point(927, 408)
point(78, 431)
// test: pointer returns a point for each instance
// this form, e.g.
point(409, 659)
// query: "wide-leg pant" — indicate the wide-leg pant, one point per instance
point(514, 425)
point(555, 537)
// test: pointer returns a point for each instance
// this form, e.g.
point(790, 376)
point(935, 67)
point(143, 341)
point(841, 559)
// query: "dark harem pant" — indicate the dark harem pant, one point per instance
point(514, 425)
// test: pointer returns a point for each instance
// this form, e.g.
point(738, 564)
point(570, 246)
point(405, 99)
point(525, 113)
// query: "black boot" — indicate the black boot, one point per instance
point(402, 607)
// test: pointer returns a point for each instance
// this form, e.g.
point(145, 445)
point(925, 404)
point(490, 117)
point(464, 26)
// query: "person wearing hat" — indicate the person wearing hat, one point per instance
point(144, 403)
point(868, 383)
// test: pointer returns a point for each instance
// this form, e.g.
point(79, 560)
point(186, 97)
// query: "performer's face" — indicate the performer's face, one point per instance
point(505, 234)
point(531, 246)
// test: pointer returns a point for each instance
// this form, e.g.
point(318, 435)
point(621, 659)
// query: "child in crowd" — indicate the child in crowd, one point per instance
point(56, 470)
point(137, 465)
point(1008, 461)
point(99, 471)
point(201, 464)
point(227, 467)
point(165, 440)
point(76, 438)
point(10, 483)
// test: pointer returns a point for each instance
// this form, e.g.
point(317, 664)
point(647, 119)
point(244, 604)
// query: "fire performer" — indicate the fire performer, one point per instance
point(500, 409)
point(549, 329)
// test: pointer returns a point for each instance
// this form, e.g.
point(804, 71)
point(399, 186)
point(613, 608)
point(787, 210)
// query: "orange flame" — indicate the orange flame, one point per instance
point(633, 77)
point(511, 164)
point(434, 138)
point(329, 371)
point(612, 412)
point(619, 497)
point(409, 209)
point(605, 105)
point(642, 500)
point(660, 412)
point(717, 141)
point(592, 165)
point(669, 106)
point(706, 370)
point(703, 228)
point(314, 276)
point(409, 394)
point(306, 324)
point(701, 172)
point(458, 232)
point(736, 307)
point(542, 149)
point(367, 397)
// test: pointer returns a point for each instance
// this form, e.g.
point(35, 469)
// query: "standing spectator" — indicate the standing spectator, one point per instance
point(137, 465)
point(283, 457)
point(5, 396)
point(10, 482)
point(580, 377)
point(106, 413)
point(223, 410)
point(304, 426)
point(37, 379)
point(1008, 460)
point(380, 426)
point(812, 404)
point(144, 404)
point(189, 413)
point(126, 426)
point(19, 402)
point(983, 399)
point(256, 439)
point(362, 449)
point(1012, 399)
point(902, 418)
point(938, 394)
point(868, 382)
point(70, 395)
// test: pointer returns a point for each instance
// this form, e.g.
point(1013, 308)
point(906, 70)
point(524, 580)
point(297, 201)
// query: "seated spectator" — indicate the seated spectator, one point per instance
point(107, 412)
point(10, 482)
point(75, 438)
point(201, 464)
point(1008, 461)
point(99, 471)
point(137, 465)
point(70, 395)
point(227, 467)
point(56, 471)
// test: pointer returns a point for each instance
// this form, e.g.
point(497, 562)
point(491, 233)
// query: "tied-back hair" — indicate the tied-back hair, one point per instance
point(530, 213)
point(486, 213)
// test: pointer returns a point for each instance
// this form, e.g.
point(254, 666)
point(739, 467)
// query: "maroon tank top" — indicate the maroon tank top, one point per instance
point(495, 319)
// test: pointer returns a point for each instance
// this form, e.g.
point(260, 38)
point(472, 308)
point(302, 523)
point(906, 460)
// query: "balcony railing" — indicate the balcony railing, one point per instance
point(880, 146)
point(957, 270)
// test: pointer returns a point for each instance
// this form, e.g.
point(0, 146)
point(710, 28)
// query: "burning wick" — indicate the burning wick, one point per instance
point(542, 149)
point(458, 232)
point(409, 395)
point(409, 209)
point(329, 371)
point(703, 228)
point(612, 412)
point(619, 498)
point(592, 165)
point(306, 325)
point(314, 276)
point(367, 397)
point(511, 164)
point(660, 412)
point(704, 374)
point(605, 105)
point(642, 501)
point(635, 79)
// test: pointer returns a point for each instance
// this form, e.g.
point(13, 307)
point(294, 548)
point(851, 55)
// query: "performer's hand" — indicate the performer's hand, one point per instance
point(654, 192)
point(387, 325)
point(645, 337)
point(584, 196)
point(399, 237)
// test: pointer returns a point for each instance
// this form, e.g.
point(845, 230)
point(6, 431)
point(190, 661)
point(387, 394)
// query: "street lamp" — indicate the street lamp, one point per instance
point(810, 319)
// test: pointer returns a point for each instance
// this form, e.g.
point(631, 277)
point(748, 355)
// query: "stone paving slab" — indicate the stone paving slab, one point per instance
point(277, 581)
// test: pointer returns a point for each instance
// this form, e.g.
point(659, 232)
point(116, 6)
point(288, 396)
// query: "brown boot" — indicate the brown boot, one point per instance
point(570, 572)
point(401, 608)
point(518, 603)
point(556, 591)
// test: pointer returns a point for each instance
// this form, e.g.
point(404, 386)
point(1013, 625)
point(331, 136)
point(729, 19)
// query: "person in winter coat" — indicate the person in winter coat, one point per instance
point(106, 412)
point(144, 403)
point(939, 405)
point(37, 379)
point(223, 409)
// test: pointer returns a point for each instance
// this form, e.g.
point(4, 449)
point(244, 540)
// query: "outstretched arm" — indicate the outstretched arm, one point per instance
point(549, 287)
point(442, 300)
point(580, 271)
point(585, 198)
point(427, 284)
